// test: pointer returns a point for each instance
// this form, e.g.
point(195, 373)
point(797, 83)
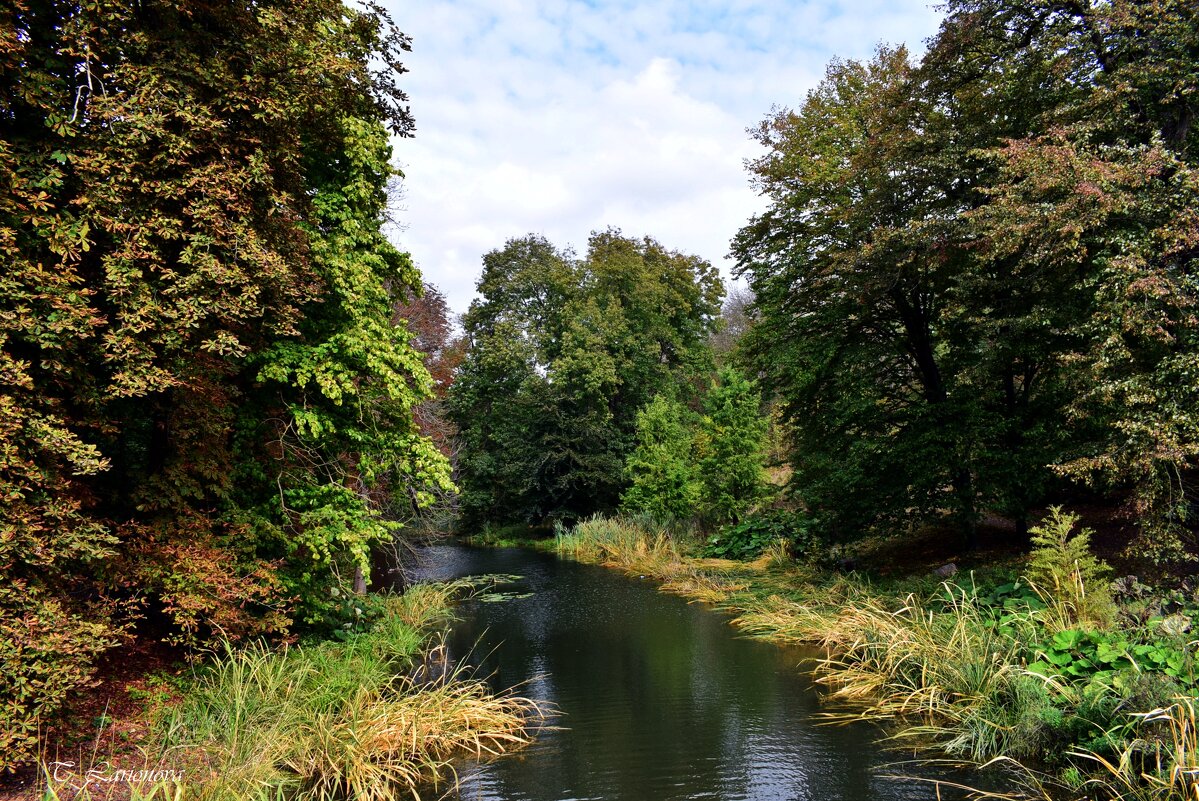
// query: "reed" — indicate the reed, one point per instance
point(633, 546)
point(330, 719)
point(1161, 763)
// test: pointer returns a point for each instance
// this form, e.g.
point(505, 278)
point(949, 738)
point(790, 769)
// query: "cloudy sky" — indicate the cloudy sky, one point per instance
point(560, 117)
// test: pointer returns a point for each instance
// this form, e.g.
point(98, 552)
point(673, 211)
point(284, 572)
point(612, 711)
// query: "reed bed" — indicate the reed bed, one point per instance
point(632, 546)
point(331, 720)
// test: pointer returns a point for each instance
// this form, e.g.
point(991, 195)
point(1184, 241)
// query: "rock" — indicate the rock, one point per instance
point(945, 571)
point(1176, 624)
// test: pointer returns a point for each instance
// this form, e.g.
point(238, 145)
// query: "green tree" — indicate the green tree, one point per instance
point(853, 267)
point(563, 354)
point(1099, 204)
point(662, 469)
point(199, 385)
point(975, 277)
point(732, 449)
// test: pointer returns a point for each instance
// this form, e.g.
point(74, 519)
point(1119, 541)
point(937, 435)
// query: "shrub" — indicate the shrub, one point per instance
point(47, 654)
point(749, 538)
point(1071, 581)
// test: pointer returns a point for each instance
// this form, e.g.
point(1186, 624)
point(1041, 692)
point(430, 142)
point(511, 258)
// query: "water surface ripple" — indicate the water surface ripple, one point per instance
point(657, 699)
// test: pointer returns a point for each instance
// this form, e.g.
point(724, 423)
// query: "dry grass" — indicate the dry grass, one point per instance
point(379, 746)
point(329, 720)
point(1162, 764)
point(704, 588)
point(946, 671)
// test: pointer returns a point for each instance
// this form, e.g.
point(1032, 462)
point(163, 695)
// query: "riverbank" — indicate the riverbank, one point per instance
point(375, 715)
point(975, 668)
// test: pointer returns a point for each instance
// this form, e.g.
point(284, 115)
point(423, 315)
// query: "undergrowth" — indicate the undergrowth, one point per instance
point(331, 719)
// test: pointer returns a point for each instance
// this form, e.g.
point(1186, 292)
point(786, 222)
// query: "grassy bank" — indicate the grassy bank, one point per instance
point(375, 717)
point(976, 668)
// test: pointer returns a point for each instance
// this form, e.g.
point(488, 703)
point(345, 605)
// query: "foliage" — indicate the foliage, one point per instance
point(850, 266)
point(563, 354)
point(427, 317)
point(707, 468)
point(1070, 580)
point(732, 447)
point(1088, 657)
point(662, 470)
point(749, 538)
point(312, 720)
point(202, 393)
point(47, 655)
point(975, 275)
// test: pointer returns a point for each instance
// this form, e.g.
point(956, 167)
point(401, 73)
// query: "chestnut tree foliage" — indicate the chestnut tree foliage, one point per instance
point(975, 280)
point(202, 390)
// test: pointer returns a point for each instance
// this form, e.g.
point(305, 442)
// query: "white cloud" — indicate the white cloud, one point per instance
point(562, 116)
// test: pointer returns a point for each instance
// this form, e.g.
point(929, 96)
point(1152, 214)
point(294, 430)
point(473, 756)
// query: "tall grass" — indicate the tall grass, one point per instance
point(636, 546)
point(333, 719)
point(943, 665)
point(1162, 764)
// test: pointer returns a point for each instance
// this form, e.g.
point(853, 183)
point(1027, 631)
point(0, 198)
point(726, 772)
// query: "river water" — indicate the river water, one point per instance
point(656, 699)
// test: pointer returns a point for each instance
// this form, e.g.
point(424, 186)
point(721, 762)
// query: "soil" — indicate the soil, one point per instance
point(108, 722)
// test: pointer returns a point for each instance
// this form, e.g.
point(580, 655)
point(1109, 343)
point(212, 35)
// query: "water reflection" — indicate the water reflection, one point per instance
point(658, 700)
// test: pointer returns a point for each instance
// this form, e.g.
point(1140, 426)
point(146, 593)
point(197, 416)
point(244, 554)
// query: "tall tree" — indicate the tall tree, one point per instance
point(563, 353)
point(976, 275)
point(1098, 202)
point(194, 323)
point(851, 279)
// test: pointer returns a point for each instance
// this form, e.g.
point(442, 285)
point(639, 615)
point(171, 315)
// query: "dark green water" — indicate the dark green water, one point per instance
point(657, 699)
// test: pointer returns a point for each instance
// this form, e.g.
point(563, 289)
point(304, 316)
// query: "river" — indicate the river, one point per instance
point(656, 699)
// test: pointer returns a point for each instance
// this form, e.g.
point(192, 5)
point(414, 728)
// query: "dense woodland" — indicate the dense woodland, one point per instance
point(973, 294)
point(207, 397)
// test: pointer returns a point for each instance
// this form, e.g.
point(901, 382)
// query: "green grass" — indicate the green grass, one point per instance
point(332, 719)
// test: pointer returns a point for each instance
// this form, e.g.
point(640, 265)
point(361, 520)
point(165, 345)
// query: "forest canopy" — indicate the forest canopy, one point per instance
point(976, 278)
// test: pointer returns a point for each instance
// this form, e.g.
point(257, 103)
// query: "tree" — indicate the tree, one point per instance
point(736, 318)
point(662, 469)
point(732, 449)
point(199, 382)
point(1101, 202)
point(563, 354)
point(852, 267)
point(975, 278)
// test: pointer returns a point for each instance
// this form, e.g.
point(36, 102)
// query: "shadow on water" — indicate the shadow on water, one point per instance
point(657, 699)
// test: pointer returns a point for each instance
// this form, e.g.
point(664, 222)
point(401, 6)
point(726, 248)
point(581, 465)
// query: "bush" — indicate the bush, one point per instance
point(1073, 583)
point(748, 539)
point(47, 654)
